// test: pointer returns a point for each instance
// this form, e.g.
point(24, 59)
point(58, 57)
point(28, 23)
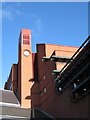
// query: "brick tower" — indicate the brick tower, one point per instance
point(25, 73)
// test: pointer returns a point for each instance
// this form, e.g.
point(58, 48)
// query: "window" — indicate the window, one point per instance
point(26, 42)
point(44, 77)
point(26, 37)
point(45, 90)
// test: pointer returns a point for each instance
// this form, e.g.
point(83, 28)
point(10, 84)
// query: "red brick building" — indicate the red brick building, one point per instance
point(38, 83)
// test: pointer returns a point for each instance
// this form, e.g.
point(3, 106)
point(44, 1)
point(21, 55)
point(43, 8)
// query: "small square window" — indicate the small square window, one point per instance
point(45, 90)
point(26, 42)
point(44, 77)
point(25, 36)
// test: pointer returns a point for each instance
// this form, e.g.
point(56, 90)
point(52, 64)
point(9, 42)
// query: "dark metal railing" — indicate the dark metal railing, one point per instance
point(76, 53)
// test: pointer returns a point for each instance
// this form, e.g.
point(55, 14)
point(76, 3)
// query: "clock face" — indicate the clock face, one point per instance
point(26, 52)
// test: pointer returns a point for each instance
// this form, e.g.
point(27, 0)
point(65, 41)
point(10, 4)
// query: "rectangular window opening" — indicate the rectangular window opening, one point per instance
point(26, 42)
point(25, 37)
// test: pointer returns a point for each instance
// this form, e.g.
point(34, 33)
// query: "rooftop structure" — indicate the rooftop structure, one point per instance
point(10, 107)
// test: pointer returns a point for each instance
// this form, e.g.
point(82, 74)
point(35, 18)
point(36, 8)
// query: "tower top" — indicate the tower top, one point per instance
point(25, 31)
point(25, 37)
